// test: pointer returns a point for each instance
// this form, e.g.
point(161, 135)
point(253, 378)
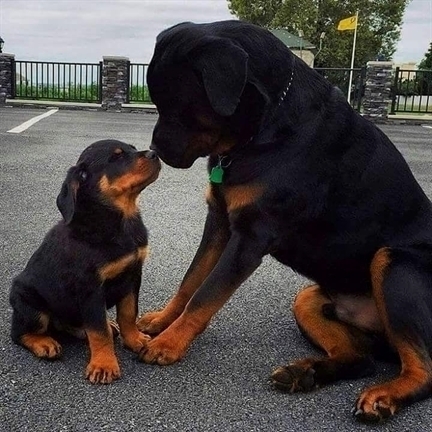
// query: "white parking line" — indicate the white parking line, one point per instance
point(426, 126)
point(31, 122)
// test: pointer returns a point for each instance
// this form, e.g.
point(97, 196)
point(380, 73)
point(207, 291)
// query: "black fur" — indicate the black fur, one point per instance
point(306, 179)
point(62, 281)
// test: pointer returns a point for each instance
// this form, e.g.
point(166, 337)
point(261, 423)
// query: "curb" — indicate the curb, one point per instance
point(76, 106)
point(151, 109)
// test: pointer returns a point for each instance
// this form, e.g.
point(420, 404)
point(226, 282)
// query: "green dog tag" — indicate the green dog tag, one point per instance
point(216, 174)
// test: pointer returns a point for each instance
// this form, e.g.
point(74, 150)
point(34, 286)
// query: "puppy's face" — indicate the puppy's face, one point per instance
point(196, 83)
point(109, 172)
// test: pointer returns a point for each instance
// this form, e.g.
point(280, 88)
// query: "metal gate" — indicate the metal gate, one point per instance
point(412, 91)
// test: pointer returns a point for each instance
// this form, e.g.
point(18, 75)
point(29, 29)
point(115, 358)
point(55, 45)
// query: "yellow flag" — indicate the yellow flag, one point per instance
point(348, 23)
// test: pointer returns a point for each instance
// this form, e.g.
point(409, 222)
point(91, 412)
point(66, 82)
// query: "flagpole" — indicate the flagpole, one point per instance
point(352, 60)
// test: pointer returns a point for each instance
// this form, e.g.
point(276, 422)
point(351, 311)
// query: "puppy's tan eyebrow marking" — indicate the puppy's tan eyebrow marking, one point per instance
point(118, 151)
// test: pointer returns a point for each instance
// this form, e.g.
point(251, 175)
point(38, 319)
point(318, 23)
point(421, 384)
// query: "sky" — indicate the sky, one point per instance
point(87, 30)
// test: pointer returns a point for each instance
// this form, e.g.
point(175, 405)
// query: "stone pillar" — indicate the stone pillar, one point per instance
point(115, 81)
point(6, 77)
point(377, 97)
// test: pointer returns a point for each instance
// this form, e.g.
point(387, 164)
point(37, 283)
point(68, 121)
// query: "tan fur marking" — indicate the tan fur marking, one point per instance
point(114, 268)
point(333, 336)
point(44, 321)
point(126, 318)
point(378, 266)
point(103, 366)
point(209, 195)
point(237, 197)
point(142, 253)
point(117, 193)
point(124, 190)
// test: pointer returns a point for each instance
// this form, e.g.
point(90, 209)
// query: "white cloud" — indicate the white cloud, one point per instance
point(86, 30)
point(416, 32)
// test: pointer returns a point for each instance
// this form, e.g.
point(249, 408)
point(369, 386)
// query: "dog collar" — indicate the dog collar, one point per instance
point(224, 161)
point(286, 90)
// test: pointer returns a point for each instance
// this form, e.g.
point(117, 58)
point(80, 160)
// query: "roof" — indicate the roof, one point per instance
point(292, 41)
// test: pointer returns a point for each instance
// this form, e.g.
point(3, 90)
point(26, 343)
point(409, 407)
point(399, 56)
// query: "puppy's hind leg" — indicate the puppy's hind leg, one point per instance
point(29, 325)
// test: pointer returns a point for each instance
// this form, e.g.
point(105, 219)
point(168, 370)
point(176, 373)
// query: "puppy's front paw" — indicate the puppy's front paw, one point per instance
point(103, 372)
point(136, 341)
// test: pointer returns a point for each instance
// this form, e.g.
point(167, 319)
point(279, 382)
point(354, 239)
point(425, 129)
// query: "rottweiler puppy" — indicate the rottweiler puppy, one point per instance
point(90, 261)
point(295, 173)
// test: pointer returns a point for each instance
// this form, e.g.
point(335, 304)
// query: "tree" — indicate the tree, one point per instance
point(426, 63)
point(378, 28)
point(424, 76)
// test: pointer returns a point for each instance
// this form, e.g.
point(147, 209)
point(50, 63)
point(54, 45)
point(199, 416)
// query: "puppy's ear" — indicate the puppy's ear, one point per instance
point(223, 67)
point(66, 199)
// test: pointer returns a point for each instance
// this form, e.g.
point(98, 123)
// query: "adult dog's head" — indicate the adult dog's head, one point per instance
point(212, 84)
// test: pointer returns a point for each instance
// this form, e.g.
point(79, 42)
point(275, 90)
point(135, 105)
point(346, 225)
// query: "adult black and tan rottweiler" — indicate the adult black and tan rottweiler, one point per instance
point(297, 174)
point(90, 261)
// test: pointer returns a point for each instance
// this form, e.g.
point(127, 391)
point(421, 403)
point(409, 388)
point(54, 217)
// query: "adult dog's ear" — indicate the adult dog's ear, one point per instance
point(223, 67)
point(66, 199)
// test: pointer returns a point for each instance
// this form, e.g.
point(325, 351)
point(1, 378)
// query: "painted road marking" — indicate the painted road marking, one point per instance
point(22, 127)
point(428, 127)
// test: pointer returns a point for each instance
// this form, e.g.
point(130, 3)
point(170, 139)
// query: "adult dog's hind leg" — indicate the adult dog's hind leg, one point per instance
point(347, 348)
point(402, 289)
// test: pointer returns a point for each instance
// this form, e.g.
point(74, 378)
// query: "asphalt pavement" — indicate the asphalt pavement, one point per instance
point(223, 383)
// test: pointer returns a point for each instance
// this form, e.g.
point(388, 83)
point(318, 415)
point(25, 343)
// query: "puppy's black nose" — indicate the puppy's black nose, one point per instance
point(150, 154)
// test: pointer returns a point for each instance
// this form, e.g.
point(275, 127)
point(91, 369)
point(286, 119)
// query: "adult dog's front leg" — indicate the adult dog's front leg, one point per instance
point(215, 237)
point(241, 257)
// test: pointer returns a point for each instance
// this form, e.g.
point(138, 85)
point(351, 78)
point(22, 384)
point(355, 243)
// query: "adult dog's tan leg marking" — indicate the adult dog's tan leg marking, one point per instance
point(171, 345)
point(215, 237)
point(381, 401)
point(346, 347)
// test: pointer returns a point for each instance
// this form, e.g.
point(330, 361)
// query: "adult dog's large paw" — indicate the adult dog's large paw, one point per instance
point(294, 378)
point(375, 405)
point(163, 350)
point(155, 322)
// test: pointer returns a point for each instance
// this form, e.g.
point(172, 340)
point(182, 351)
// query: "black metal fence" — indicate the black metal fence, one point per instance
point(82, 82)
point(340, 78)
point(138, 90)
point(75, 82)
point(412, 91)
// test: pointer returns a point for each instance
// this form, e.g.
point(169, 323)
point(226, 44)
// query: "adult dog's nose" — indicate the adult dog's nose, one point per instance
point(150, 154)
